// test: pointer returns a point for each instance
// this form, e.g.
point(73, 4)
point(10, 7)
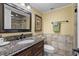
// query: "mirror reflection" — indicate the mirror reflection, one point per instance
point(20, 21)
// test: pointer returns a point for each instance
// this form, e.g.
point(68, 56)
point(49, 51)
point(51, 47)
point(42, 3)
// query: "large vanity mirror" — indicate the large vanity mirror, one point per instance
point(16, 19)
point(19, 21)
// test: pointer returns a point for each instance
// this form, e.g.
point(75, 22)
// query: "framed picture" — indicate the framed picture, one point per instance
point(38, 23)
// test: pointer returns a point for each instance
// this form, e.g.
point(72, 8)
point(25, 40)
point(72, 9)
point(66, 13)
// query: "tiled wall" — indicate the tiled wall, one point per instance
point(62, 43)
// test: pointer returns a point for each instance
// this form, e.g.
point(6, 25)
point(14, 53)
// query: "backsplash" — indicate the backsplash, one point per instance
point(62, 43)
point(16, 37)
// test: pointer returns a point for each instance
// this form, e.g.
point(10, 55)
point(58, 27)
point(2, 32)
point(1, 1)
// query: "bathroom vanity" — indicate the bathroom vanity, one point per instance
point(34, 50)
point(16, 19)
point(23, 48)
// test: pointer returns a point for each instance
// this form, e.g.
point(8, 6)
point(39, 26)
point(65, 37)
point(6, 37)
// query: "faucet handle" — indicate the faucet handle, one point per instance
point(22, 36)
point(17, 38)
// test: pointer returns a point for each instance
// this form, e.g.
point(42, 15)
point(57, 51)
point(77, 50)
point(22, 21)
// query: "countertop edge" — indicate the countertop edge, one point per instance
point(25, 48)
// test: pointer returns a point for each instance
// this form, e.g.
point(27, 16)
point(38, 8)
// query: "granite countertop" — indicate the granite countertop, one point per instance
point(13, 47)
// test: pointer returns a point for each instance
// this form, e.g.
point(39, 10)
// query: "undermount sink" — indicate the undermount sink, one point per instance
point(25, 41)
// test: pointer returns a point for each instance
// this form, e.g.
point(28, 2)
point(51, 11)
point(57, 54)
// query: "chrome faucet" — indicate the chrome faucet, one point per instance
point(22, 36)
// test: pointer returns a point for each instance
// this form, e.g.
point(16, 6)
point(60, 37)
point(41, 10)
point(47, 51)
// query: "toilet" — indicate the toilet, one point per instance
point(49, 50)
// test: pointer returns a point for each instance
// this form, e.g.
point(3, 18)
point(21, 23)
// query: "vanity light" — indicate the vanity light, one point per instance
point(16, 15)
point(28, 6)
point(12, 15)
point(23, 4)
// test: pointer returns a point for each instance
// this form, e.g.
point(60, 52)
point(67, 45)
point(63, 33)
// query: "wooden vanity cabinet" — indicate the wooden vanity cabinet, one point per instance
point(38, 49)
point(26, 52)
point(35, 50)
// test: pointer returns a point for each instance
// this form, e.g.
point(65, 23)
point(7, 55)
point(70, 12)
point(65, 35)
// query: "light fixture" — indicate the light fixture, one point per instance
point(23, 4)
point(28, 6)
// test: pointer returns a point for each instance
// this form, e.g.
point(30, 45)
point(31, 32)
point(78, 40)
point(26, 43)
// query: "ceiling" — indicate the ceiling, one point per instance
point(44, 7)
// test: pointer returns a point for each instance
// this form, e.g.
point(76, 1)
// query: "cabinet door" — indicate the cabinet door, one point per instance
point(39, 52)
point(38, 49)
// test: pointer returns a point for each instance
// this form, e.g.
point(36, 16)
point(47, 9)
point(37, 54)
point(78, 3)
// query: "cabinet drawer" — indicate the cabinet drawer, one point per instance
point(26, 52)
